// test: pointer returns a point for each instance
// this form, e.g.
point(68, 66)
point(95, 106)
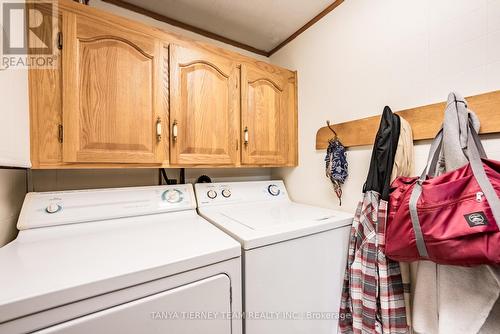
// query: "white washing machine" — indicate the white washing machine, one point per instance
point(294, 255)
point(127, 260)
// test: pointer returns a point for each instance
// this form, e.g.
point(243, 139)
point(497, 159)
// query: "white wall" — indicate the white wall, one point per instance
point(14, 125)
point(366, 54)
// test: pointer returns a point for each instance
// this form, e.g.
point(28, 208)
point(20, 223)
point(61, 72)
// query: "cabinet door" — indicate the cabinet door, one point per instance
point(204, 108)
point(268, 116)
point(112, 93)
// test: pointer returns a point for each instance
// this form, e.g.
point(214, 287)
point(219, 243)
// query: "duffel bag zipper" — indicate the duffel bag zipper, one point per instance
point(478, 195)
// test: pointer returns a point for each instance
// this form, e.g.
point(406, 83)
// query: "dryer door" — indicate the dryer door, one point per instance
point(199, 307)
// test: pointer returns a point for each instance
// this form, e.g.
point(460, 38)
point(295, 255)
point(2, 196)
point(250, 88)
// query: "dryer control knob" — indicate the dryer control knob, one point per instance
point(53, 208)
point(274, 190)
point(226, 193)
point(212, 194)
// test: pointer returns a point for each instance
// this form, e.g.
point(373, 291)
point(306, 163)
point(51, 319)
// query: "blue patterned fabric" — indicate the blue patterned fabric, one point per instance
point(336, 166)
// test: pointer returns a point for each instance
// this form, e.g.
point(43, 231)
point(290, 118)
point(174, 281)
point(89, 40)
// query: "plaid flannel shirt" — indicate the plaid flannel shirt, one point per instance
point(372, 294)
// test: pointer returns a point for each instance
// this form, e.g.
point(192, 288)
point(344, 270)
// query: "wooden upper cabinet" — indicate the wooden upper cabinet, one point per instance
point(113, 100)
point(128, 95)
point(268, 116)
point(204, 108)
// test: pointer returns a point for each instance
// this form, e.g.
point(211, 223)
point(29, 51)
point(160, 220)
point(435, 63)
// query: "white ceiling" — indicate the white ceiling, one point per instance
point(262, 24)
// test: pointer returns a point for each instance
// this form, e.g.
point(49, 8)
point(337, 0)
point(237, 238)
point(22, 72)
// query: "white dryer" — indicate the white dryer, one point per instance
point(127, 260)
point(294, 255)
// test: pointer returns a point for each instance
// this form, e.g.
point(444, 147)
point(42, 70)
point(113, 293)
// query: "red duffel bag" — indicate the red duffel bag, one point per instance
point(449, 219)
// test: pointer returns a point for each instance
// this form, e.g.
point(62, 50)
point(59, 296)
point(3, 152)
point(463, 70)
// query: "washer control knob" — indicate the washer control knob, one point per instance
point(226, 193)
point(53, 208)
point(172, 196)
point(274, 190)
point(212, 194)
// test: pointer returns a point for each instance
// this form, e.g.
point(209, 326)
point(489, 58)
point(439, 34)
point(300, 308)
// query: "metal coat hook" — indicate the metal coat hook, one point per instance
point(332, 130)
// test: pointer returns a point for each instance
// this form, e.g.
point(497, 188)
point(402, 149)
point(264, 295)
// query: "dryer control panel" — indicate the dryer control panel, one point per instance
point(208, 194)
point(45, 209)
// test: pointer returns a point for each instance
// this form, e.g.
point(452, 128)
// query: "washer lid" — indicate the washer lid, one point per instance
point(50, 266)
point(264, 223)
point(271, 216)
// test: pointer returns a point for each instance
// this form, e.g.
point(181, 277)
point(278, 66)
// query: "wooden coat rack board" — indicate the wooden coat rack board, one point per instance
point(425, 122)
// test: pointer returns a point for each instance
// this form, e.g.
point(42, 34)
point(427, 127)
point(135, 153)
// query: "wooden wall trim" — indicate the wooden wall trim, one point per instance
point(185, 26)
point(425, 122)
point(306, 26)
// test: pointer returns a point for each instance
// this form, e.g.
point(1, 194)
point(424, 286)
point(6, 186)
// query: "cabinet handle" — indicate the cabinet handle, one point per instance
point(60, 133)
point(59, 40)
point(245, 135)
point(158, 129)
point(174, 131)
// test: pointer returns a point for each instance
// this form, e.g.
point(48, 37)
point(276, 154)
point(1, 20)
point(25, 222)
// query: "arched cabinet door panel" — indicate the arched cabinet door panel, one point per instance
point(204, 108)
point(113, 103)
point(268, 116)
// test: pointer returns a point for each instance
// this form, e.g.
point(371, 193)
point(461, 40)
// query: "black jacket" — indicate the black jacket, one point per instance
point(384, 151)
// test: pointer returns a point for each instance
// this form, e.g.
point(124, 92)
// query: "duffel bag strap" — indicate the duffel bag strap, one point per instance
point(417, 191)
point(419, 238)
point(474, 154)
point(477, 141)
